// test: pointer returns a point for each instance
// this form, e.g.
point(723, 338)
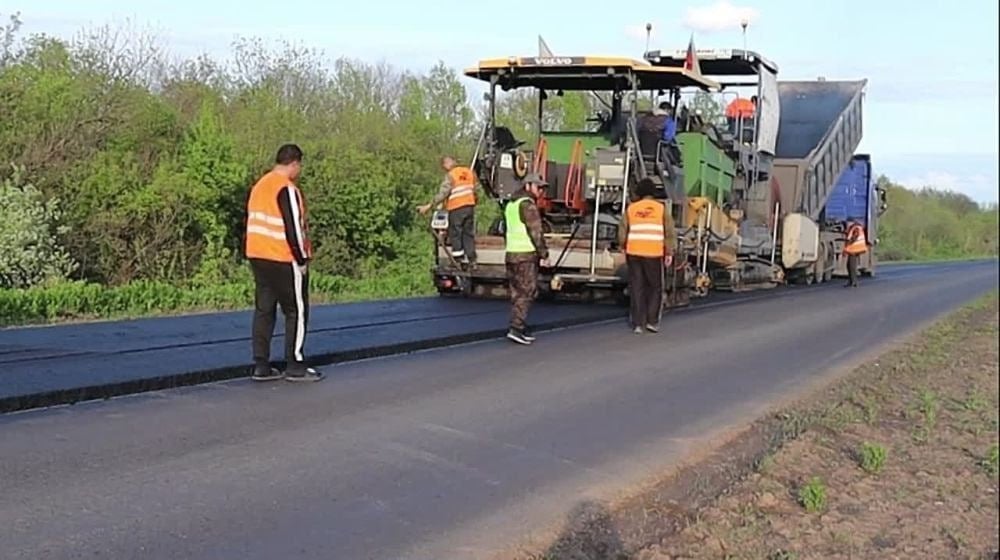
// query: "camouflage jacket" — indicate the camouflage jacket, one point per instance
point(533, 222)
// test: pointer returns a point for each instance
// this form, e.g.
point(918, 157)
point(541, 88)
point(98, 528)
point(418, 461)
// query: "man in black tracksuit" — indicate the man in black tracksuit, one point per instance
point(279, 250)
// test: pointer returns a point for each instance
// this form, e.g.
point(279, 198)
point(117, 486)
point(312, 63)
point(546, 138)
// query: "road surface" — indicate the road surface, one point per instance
point(450, 453)
point(59, 364)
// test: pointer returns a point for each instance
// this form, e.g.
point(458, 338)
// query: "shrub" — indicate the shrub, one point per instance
point(29, 225)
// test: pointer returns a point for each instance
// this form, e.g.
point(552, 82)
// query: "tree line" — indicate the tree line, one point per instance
point(124, 171)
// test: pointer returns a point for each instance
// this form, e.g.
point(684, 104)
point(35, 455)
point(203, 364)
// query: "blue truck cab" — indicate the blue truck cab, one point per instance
point(855, 197)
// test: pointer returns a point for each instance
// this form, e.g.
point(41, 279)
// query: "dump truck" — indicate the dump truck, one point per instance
point(802, 142)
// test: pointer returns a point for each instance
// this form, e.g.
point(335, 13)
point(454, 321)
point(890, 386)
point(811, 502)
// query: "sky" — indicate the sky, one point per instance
point(931, 107)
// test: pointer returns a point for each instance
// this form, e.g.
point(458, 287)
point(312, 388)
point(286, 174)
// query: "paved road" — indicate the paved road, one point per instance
point(450, 453)
point(42, 366)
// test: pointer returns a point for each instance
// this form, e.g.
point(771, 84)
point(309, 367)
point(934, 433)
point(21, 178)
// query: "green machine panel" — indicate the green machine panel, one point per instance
point(561, 144)
point(708, 171)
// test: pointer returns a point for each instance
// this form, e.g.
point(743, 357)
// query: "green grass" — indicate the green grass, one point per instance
point(812, 495)
point(872, 457)
point(991, 463)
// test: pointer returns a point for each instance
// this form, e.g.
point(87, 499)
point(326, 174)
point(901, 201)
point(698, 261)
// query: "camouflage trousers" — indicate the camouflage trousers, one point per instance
point(522, 278)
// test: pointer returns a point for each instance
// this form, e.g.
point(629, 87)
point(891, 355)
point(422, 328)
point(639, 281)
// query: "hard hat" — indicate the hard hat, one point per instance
point(534, 179)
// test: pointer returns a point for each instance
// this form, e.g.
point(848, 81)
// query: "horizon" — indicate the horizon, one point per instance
point(913, 131)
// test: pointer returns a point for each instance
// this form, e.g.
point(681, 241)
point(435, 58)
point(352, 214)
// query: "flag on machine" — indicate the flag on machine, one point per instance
point(543, 48)
point(691, 59)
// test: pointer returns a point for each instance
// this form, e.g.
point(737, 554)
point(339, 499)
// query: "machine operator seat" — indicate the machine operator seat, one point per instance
point(504, 139)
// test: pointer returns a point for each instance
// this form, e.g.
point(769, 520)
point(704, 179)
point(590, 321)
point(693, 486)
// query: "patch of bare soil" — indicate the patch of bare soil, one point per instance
point(904, 467)
point(899, 460)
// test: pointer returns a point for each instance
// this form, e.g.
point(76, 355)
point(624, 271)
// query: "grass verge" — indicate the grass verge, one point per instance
point(897, 460)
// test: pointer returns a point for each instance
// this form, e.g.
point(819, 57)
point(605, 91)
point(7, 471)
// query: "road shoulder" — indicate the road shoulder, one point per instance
point(899, 458)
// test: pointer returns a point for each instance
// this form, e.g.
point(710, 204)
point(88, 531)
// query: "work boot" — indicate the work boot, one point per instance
point(517, 335)
point(264, 372)
point(528, 334)
point(300, 372)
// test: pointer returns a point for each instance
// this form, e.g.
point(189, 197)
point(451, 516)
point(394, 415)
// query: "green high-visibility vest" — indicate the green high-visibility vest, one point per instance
point(516, 236)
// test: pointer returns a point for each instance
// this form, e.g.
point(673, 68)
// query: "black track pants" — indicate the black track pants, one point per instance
point(462, 233)
point(282, 284)
point(852, 269)
point(645, 282)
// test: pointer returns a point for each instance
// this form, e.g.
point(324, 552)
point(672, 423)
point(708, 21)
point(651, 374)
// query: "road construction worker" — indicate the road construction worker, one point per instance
point(525, 252)
point(279, 250)
point(458, 193)
point(648, 235)
point(855, 246)
point(740, 115)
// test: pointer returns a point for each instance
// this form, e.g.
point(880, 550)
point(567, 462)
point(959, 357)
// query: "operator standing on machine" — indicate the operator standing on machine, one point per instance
point(458, 192)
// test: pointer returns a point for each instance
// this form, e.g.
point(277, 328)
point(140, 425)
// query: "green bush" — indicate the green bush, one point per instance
point(139, 167)
point(30, 254)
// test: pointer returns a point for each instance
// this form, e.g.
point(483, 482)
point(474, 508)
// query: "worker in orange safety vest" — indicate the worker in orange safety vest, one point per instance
point(458, 193)
point(279, 250)
point(855, 246)
point(740, 115)
point(648, 235)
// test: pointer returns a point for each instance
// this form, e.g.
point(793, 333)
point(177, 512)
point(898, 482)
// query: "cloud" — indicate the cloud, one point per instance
point(974, 174)
point(721, 16)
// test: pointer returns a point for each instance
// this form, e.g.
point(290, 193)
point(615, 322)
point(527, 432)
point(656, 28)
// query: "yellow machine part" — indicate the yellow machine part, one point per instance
point(703, 213)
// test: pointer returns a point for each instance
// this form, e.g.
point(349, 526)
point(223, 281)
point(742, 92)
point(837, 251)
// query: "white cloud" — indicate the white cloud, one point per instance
point(720, 16)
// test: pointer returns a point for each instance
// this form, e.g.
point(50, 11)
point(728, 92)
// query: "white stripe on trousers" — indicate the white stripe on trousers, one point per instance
point(293, 198)
point(300, 327)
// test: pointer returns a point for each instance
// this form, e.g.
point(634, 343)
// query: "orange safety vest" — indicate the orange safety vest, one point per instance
point(645, 229)
point(265, 226)
point(740, 107)
point(859, 245)
point(463, 188)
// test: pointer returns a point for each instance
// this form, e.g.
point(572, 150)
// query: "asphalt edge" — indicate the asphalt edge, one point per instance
point(105, 391)
point(176, 380)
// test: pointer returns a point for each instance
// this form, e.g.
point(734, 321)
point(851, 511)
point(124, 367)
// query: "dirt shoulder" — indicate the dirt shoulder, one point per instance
point(897, 460)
